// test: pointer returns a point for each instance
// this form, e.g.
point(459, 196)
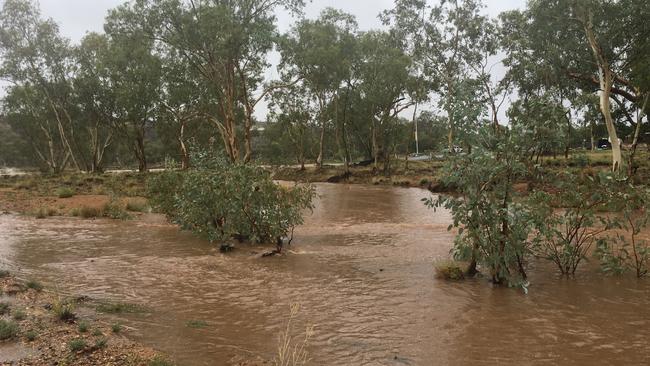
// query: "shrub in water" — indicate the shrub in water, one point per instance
point(8, 329)
point(222, 200)
point(448, 270)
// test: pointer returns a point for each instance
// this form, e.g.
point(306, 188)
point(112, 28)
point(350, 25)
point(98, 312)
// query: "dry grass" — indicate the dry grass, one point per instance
point(292, 351)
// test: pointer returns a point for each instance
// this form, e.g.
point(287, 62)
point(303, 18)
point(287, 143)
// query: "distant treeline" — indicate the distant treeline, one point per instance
point(168, 74)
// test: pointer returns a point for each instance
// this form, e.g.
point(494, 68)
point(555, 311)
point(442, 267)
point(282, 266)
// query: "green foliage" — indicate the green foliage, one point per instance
point(627, 250)
point(65, 192)
point(449, 270)
point(101, 343)
point(565, 236)
point(116, 328)
point(77, 345)
point(493, 229)
point(162, 190)
point(114, 210)
point(220, 201)
point(83, 326)
point(8, 329)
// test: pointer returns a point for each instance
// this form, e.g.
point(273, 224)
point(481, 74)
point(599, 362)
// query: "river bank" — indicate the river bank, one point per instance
point(39, 326)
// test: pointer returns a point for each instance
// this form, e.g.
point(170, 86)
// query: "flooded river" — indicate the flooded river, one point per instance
point(361, 270)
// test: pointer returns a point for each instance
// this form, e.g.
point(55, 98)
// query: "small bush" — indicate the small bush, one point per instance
point(63, 310)
point(113, 210)
point(4, 273)
point(424, 181)
point(4, 308)
point(101, 343)
point(97, 333)
point(89, 212)
point(34, 285)
point(8, 329)
point(220, 201)
point(135, 205)
point(77, 345)
point(65, 192)
point(116, 328)
point(75, 212)
point(31, 335)
point(83, 326)
point(449, 270)
point(19, 315)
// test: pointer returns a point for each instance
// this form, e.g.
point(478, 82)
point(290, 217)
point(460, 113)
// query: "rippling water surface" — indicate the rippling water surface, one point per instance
point(362, 271)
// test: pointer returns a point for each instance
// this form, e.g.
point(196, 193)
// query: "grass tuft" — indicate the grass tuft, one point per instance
point(19, 315)
point(64, 311)
point(31, 335)
point(116, 328)
point(77, 345)
point(83, 326)
point(159, 361)
point(8, 329)
point(449, 270)
point(34, 285)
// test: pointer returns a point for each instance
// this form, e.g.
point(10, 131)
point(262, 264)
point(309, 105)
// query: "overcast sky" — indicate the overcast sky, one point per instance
point(76, 17)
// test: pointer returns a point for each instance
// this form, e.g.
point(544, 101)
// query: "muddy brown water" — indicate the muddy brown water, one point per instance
point(362, 270)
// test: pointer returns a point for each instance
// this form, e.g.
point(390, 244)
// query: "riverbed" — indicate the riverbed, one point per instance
point(361, 269)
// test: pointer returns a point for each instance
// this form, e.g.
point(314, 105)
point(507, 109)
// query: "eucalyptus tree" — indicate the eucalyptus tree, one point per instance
point(292, 110)
point(36, 61)
point(385, 80)
point(136, 79)
point(226, 42)
point(95, 97)
point(446, 39)
point(589, 45)
point(184, 101)
point(320, 53)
